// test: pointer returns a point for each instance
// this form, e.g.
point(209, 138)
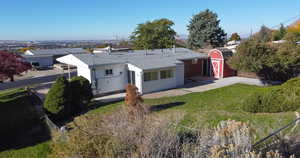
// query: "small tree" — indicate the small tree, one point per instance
point(264, 34)
point(157, 34)
point(81, 93)
point(57, 100)
point(204, 31)
point(134, 102)
point(295, 27)
point(279, 34)
point(12, 64)
point(235, 37)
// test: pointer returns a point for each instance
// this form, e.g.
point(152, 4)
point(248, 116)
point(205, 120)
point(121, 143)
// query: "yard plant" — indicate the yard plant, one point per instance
point(275, 99)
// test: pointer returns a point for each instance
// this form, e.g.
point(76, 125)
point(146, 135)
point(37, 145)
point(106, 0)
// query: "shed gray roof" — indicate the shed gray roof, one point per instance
point(146, 60)
point(61, 51)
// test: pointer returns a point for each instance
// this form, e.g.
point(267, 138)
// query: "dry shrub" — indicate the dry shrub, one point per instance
point(154, 136)
point(133, 102)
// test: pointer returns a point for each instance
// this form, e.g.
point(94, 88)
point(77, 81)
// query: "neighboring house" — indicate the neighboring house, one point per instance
point(47, 57)
point(218, 58)
point(109, 49)
point(232, 45)
point(39, 60)
point(149, 70)
point(279, 41)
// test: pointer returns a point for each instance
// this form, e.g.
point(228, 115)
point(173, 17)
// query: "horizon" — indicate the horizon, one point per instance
point(56, 20)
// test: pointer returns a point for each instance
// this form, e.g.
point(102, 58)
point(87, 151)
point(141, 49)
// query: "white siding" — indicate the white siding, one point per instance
point(160, 84)
point(138, 76)
point(84, 72)
point(179, 73)
point(111, 83)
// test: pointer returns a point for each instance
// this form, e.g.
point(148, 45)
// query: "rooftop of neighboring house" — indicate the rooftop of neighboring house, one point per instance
point(111, 49)
point(61, 51)
point(144, 59)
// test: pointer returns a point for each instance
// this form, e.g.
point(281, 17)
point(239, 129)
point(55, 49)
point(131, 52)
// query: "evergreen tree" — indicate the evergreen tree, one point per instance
point(81, 94)
point(204, 31)
point(57, 99)
point(279, 34)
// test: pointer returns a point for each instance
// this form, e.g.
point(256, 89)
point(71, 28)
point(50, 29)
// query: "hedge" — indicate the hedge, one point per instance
point(275, 99)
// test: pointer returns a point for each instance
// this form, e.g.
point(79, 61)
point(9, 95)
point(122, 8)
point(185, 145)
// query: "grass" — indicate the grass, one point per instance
point(21, 126)
point(203, 109)
point(207, 109)
point(38, 151)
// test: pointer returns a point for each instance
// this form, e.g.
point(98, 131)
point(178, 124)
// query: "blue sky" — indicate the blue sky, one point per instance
point(99, 19)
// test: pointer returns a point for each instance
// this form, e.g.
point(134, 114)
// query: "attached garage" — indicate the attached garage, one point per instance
point(219, 64)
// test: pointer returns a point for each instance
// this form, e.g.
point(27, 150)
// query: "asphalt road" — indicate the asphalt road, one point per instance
point(32, 81)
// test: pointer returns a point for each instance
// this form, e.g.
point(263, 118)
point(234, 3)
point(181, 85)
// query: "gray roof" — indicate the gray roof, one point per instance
point(61, 51)
point(146, 60)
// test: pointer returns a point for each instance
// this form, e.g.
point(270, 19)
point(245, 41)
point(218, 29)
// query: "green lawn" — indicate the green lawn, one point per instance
point(20, 126)
point(207, 109)
point(203, 109)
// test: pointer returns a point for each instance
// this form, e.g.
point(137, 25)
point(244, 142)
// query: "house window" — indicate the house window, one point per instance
point(108, 72)
point(166, 74)
point(150, 76)
point(194, 61)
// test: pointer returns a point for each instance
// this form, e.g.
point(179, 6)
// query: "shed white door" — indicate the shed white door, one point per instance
point(216, 67)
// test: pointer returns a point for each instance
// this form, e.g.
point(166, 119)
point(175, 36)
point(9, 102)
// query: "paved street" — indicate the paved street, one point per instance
point(32, 81)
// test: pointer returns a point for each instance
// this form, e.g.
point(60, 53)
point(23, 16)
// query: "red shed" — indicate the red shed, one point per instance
point(218, 59)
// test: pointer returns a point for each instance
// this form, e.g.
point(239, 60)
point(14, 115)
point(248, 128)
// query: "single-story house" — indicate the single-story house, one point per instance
point(149, 70)
point(218, 58)
point(39, 60)
point(47, 57)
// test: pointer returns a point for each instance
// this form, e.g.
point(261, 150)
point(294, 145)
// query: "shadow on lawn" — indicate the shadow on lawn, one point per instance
point(25, 138)
point(165, 106)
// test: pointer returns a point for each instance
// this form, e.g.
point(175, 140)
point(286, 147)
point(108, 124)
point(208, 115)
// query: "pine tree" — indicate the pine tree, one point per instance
point(204, 31)
point(57, 99)
point(81, 93)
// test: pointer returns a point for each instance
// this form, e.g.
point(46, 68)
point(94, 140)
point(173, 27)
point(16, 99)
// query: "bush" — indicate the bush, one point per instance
point(57, 100)
point(275, 99)
point(81, 94)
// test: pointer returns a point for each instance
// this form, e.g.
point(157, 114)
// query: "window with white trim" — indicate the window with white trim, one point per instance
point(164, 74)
point(150, 76)
point(108, 72)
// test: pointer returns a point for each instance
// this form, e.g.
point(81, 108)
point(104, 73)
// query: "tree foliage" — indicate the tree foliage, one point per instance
point(275, 99)
point(295, 27)
point(273, 62)
point(81, 93)
point(235, 37)
point(58, 99)
point(279, 34)
point(157, 34)
point(292, 37)
point(12, 64)
point(263, 35)
point(204, 31)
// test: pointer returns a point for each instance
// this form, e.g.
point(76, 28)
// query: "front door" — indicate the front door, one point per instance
point(216, 68)
point(131, 77)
